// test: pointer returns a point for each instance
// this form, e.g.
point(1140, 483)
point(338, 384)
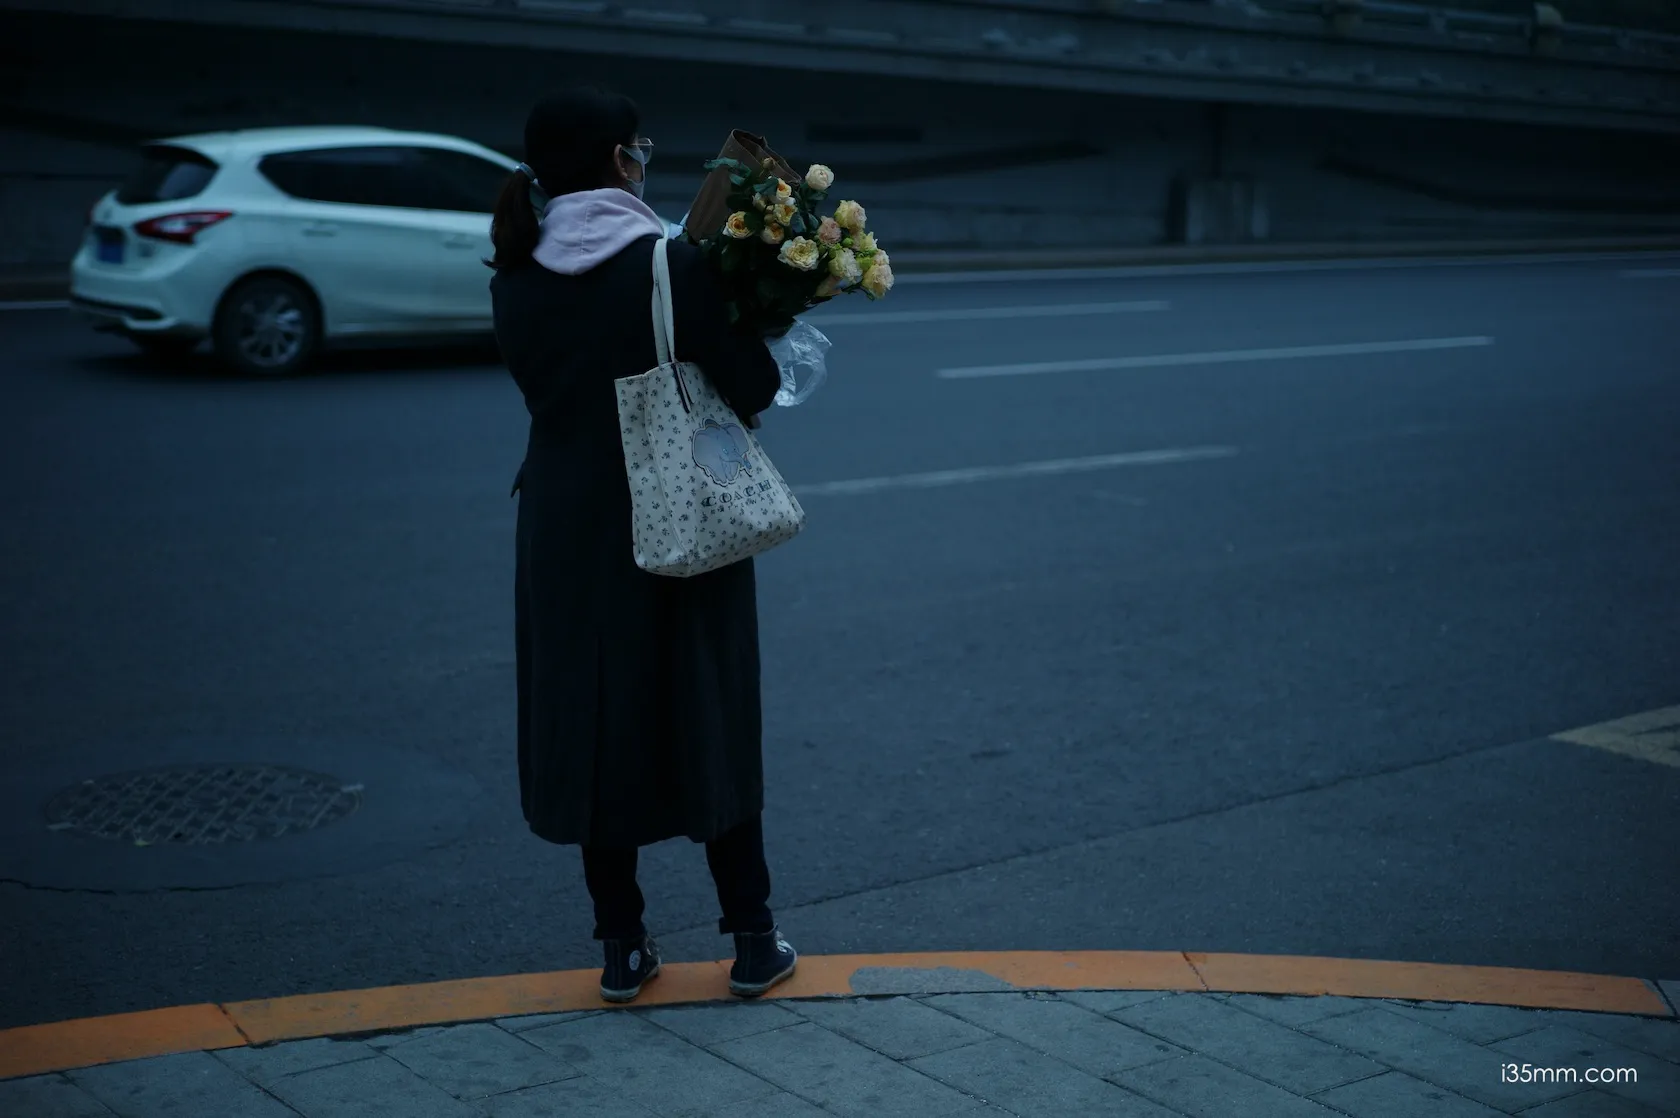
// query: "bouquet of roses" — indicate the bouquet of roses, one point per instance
point(780, 254)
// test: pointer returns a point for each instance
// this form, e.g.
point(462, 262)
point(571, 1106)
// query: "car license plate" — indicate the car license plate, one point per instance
point(110, 247)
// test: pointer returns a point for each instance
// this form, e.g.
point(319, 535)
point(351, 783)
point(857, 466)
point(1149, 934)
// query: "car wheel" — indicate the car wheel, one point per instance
point(267, 326)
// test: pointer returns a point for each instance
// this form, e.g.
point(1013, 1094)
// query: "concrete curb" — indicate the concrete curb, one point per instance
point(54, 285)
point(34, 286)
point(915, 261)
point(65, 1045)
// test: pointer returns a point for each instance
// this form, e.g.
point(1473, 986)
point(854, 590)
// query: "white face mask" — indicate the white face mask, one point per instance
point(638, 154)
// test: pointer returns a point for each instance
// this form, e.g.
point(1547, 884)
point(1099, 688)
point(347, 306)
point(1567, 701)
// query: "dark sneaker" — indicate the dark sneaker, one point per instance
point(762, 959)
point(630, 963)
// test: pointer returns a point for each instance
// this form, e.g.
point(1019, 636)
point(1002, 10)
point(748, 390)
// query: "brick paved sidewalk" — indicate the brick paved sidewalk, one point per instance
point(1135, 1053)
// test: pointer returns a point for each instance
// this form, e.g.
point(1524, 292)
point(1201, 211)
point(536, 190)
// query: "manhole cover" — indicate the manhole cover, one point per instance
point(202, 805)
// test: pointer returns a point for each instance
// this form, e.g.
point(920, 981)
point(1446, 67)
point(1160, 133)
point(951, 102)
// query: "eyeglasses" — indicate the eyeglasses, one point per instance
point(641, 151)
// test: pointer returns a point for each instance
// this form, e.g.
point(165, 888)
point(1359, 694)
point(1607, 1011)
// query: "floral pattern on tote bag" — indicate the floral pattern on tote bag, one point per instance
point(703, 494)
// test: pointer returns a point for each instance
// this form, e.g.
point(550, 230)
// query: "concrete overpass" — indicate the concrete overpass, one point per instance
point(1066, 124)
point(1362, 55)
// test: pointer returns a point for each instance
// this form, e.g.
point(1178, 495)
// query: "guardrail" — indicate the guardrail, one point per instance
point(1545, 31)
point(1354, 54)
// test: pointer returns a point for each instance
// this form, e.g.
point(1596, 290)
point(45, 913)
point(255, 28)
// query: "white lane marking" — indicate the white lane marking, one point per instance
point(1052, 467)
point(1261, 267)
point(36, 305)
point(971, 314)
point(1651, 273)
point(1212, 357)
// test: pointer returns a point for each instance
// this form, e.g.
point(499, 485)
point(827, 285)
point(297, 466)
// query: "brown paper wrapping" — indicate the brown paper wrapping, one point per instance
point(711, 206)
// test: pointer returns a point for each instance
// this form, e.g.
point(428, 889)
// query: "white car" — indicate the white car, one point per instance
point(274, 242)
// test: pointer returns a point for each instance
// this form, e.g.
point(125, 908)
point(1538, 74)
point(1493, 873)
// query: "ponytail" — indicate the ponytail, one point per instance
point(514, 228)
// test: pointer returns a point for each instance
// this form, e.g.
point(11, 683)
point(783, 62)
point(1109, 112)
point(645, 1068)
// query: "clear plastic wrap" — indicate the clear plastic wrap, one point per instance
point(802, 356)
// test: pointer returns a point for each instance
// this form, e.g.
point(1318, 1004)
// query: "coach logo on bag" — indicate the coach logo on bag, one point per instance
point(748, 496)
point(722, 450)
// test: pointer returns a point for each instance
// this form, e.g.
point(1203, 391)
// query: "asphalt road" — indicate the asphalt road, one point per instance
point(1286, 688)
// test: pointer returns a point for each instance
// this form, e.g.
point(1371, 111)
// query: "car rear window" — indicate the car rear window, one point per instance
point(166, 174)
point(416, 178)
point(371, 176)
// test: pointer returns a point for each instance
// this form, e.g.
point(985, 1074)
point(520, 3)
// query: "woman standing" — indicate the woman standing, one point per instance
point(639, 717)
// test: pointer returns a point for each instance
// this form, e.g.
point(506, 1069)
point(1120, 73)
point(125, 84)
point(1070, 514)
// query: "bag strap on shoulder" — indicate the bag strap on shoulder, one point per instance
point(664, 320)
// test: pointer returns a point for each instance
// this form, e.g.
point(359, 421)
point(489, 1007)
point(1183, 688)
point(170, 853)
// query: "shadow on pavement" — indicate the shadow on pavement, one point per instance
point(201, 365)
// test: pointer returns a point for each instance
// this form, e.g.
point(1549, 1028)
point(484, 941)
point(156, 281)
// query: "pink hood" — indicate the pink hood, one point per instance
point(581, 231)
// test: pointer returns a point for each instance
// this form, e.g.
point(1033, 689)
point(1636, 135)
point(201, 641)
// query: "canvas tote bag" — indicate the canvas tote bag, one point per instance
point(702, 493)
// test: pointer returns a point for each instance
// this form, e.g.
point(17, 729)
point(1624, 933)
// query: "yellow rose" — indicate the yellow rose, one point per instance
point(802, 253)
point(882, 259)
point(737, 226)
point(878, 280)
point(773, 234)
point(865, 242)
point(830, 287)
point(851, 217)
point(843, 265)
point(819, 177)
point(784, 192)
point(783, 213)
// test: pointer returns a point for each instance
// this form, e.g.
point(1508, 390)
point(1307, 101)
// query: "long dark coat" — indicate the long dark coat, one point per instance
point(639, 716)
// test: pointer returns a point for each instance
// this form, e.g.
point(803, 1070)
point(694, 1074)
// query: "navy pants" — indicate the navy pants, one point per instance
point(739, 871)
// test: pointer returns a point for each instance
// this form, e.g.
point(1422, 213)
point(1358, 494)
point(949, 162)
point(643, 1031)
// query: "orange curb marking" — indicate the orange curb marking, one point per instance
point(1429, 982)
point(835, 975)
point(39, 1049)
point(387, 1008)
point(35, 1049)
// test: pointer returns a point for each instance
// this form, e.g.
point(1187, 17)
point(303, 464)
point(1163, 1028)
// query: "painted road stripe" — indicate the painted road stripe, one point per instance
point(61, 1046)
point(1653, 736)
point(36, 305)
point(981, 314)
point(1213, 357)
point(937, 478)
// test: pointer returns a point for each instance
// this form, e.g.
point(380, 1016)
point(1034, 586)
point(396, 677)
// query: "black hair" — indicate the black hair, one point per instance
point(570, 139)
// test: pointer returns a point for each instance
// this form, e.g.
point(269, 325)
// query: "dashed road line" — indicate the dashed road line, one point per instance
point(938, 478)
point(984, 314)
point(1214, 357)
point(1653, 736)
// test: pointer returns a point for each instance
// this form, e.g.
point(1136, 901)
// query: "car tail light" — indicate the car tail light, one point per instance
point(180, 228)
